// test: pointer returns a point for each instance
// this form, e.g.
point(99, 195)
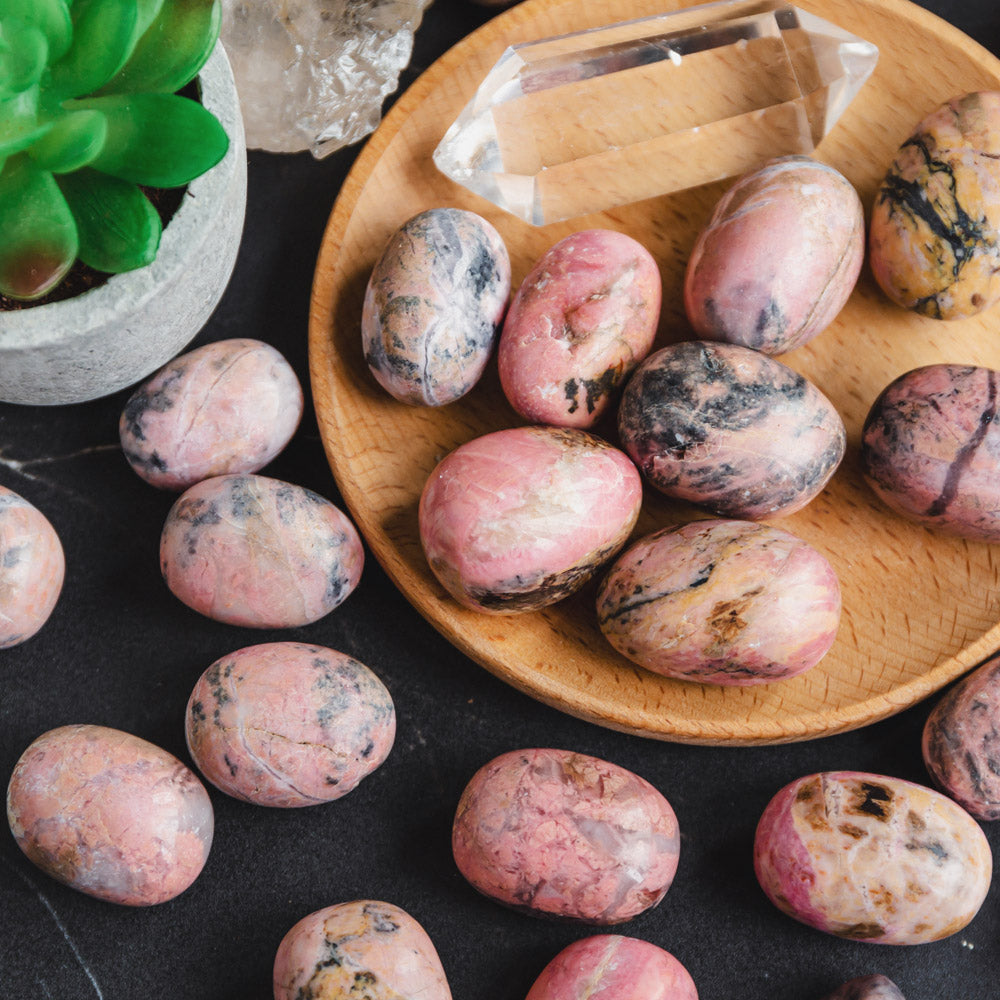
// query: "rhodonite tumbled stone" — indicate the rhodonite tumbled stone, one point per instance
point(562, 834)
point(961, 741)
point(730, 429)
point(521, 518)
point(32, 568)
point(433, 306)
point(109, 814)
point(872, 858)
point(258, 552)
point(868, 988)
point(365, 949)
point(224, 408)
point(581, 321)
point(613, 967)
point(288, 724)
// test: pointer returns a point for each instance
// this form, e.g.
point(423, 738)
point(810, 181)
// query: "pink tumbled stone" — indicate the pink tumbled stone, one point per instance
point(258, 552)
point(721, 602)
point(872, 858)
point(518, 519)
point(363, 949)
point(32, 567)
point(287, 724)
point(867, 988)
point(110, 815)
point(582, 319)
point(224, 408)
point(561, 834)
point(779, 257)
point(613, 967)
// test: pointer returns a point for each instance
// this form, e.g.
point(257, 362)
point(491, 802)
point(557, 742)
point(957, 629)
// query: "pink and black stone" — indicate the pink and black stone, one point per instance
point(868, 988)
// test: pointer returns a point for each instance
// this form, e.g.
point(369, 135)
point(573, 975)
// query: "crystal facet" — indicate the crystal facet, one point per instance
point(312, 74)
point(579, 123)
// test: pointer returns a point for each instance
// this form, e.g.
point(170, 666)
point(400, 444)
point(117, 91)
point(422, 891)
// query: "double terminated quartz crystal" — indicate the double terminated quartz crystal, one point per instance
point(577, 124)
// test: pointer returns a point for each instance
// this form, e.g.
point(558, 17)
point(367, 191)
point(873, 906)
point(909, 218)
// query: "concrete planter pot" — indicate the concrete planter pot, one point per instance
point(113, 336)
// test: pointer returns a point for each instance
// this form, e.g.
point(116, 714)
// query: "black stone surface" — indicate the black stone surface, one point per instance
point(121, 651)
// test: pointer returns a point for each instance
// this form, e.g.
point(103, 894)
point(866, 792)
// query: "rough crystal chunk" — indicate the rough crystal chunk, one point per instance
point(312, 74)
point(566, 126)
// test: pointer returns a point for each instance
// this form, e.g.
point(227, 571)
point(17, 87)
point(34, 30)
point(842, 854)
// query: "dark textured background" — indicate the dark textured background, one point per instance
point(121, 651)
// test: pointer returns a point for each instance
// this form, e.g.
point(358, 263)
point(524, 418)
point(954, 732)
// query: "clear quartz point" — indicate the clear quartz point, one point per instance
point(580, 123)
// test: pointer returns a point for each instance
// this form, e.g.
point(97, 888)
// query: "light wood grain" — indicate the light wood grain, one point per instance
point(919, 608)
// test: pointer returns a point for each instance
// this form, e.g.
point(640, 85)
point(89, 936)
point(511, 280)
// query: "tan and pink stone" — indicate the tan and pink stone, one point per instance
point(259, 552)
point(518, 519)
point(613, 967)
point(961, 741)
point(779, 257)
point(109, 814)
point(227, 407)
point(565, 835)
point(364, 948)
point(287, 724)
point(930, 449)
point(32, 568)
point(875, 987)
point(721, 602)
point(731, 429)
point(872, 858)
point(582, 319)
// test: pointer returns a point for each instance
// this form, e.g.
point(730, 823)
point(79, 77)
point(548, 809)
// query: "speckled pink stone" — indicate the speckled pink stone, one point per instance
point(961, 741)
point(930, 449)
point(612, 967)
point(227, 407)
point(364, 949)
point(872, 858)
point(518, 519)
point(779, 257)
point(288, 724)
point(110, 815)
point(582, 319)
point(32, 568)
point(258, 552)
point(867, 988)
point(721, 602)
point(561, 834)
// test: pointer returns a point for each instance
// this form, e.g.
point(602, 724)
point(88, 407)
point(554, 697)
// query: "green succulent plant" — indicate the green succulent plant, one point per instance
point(89, 115)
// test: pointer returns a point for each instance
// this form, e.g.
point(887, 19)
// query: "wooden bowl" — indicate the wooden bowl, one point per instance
point(919, 608)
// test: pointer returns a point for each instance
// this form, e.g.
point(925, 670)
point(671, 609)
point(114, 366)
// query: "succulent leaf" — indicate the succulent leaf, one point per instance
point(73, 141)
point(24, 54)
point(19, 124)
point(51, 17)
point(173, 49)
point(119, 228)
point(158, 140)
point(38, 239)
point(104, 33)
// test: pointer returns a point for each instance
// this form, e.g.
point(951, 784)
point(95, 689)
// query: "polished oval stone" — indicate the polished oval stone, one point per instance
point(930, 449)
point(258, 552)
point(433, 306)
point(561, 834)
point(613, 967)
point(961, 741)
point(227, 407)
point(109, 814)
point(32, 568)
point(364, 949)
point(721, 602)
point(582, 319)
point(875, 987)
point(730, 429)
point(872, 858)
point(288, 724)
point(779, 257)
point(521, 518)
point(934, 237)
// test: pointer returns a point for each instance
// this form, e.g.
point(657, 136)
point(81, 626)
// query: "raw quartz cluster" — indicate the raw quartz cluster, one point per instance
point(312, 74)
